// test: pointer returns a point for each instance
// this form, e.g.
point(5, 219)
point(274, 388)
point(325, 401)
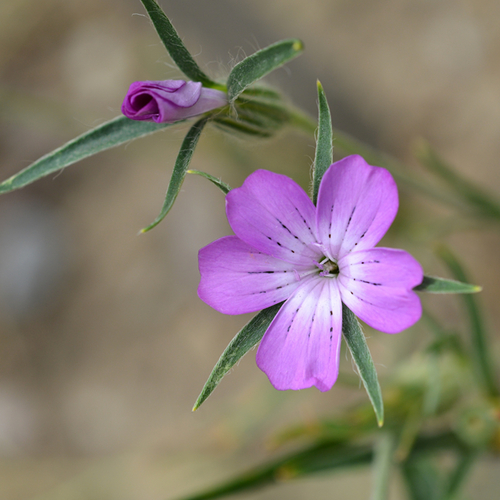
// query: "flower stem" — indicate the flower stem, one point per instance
point(482, 360)
point(384, 453)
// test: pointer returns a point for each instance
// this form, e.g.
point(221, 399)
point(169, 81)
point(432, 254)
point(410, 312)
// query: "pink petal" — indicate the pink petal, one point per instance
point(377, 286)
point(237, 279)
point(301, 346)
point(168, 101)
point(272, 213)
point(356, 205)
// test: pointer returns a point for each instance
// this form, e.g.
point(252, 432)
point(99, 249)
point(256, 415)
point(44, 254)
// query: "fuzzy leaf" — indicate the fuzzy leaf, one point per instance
point(356, 342)
point(175, 47)
point(432, 284)
point(108, 135)
point(225, 188)
point(180, 169)
point(324, 143)
point(248, 337)
point(261, 63)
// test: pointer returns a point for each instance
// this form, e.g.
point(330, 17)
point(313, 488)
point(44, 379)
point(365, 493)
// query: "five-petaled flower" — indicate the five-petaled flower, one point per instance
point(168, 101)
point(313, 258)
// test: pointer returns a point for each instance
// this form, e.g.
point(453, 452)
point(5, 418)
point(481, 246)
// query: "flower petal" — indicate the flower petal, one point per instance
point(170, 100)
point(273, 214)
point(301, 346)
point(377, 285)
point(237, 279)
point(356, 205)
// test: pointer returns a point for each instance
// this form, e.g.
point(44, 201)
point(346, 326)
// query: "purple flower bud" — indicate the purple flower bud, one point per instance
point(169, 101)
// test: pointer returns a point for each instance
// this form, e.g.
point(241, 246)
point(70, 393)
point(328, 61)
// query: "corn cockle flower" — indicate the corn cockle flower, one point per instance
point(313, 258)
point(169, 101)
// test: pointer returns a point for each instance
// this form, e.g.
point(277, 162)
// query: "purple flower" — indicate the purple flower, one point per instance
point(170, 100)
point(314, 258)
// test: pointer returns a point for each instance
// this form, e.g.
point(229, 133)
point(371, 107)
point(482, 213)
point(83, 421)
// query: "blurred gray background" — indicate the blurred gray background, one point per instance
point(104, 345)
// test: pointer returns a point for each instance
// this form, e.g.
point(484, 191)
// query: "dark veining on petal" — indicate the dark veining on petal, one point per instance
point(305, 222)
point(350, 218)
point(331, 222)
point(363, 300)
point(369, 282)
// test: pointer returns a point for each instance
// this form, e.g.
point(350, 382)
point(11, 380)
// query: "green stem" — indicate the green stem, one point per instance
point(482, 359)
point(384, 453)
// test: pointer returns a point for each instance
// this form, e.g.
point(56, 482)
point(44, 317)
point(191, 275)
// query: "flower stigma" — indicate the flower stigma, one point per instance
point(329, 268)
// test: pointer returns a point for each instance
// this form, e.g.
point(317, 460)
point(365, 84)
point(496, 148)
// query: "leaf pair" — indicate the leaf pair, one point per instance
point(121, 129)
point(253, 332)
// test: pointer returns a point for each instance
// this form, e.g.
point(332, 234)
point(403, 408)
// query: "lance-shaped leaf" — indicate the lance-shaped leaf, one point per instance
point(317, 458)
point(422, 478)
point(108, 135)
point(175, 47)
point(484, 367)
point(434, 284)
point(356, 342)
point(180, 169)
point(261, 63)
point(225, 188)
point(247, 338)
point(324, 145)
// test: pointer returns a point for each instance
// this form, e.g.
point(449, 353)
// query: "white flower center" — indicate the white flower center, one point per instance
point(329, 269)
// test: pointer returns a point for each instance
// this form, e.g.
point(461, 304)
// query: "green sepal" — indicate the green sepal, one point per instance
point(324, 144)
point(180, 169)
point(108, 135)
point(231, 125)
point(433, 284)
point(175, 47)
point(356, 342)
point(225, 188)
point(247, 338)
point(261, 63)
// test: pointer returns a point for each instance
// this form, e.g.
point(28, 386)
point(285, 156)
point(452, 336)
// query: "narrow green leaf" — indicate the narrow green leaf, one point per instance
point(356, 342)
point(324, 144)
point(247, 338)
point(260, 64)
point(318, 458)
point(231, 125)
point(382, 465)
point(180, 168)
point(433, 284)
point(459, 474)
point(175, 47)
point(422, 478)
point(105, 136)
point(225, 188)
point(480, 345)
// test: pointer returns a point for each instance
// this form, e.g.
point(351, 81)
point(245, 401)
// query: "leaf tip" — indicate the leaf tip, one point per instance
point(380, 420)
point(298, 46)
